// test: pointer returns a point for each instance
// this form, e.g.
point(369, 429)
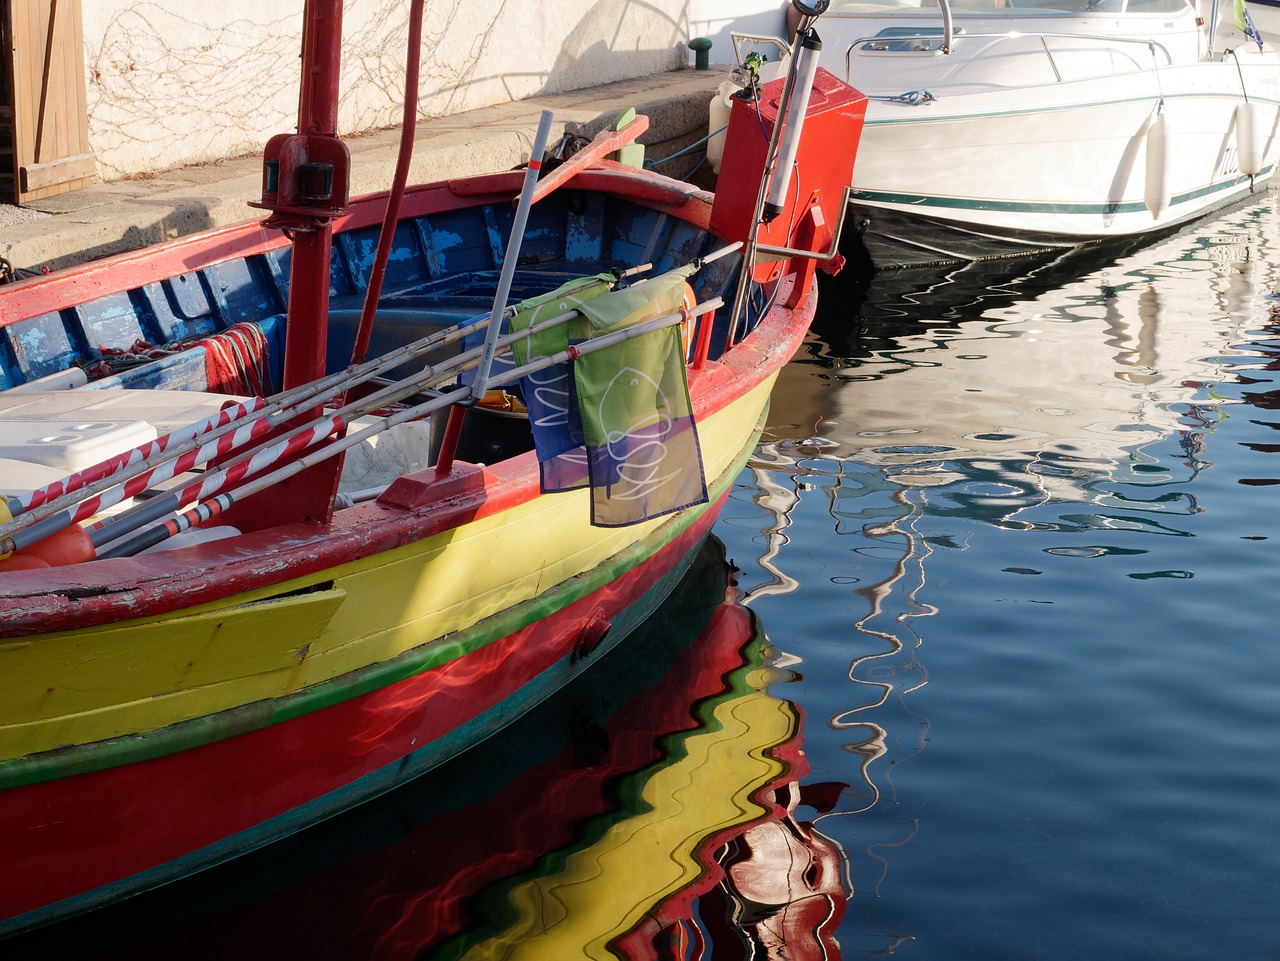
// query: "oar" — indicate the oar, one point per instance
point(203, 512)
point(210, 483)
point(626, 127)
point(23, 503)
point(287, 445)
point(75, 494)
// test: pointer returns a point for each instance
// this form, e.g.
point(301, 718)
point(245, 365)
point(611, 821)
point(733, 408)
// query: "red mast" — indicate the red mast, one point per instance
point(305, 185)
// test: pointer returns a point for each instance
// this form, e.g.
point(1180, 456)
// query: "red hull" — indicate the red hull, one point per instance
point(75, 842)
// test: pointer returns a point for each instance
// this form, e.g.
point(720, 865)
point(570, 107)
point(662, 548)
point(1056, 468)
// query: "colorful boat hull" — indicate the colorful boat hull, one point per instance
point(63, 837)
point(444, 866)
point(163, 712)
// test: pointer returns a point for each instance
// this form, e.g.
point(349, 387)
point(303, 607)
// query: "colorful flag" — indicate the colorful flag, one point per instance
point(642, 448)
point(618, 418)
point(1245, 22)
point(548, 394)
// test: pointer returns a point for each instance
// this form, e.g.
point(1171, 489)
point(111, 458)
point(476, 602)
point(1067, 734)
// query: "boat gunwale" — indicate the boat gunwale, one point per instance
point(66, 288)
point(118, 590)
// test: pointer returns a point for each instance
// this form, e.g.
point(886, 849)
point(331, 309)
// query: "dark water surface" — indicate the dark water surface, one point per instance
point(1023, 548)
point(1013, 692)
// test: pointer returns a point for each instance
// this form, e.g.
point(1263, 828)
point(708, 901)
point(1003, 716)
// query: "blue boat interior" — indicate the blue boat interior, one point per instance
point(443, 270)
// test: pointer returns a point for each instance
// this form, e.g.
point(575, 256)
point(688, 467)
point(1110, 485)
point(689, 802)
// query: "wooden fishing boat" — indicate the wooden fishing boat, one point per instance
point(654, 763)
point(305, 597)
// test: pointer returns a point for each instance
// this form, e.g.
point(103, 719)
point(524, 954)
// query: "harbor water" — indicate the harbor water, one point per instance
point(1018, 535)
point(1009, 687)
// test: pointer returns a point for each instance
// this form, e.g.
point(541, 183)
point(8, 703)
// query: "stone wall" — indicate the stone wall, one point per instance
point(173, 83)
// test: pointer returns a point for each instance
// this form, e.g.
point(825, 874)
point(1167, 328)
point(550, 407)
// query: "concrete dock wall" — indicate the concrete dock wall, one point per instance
point(172, 83)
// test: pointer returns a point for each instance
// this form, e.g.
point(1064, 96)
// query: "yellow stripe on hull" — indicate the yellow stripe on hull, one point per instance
point(645, 859)
point(78, 687)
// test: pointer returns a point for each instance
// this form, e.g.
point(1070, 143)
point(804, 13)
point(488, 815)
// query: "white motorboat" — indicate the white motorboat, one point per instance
point(1007, 126)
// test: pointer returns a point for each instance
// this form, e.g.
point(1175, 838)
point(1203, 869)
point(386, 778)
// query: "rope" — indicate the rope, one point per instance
point(681, 153)
point(913, 97)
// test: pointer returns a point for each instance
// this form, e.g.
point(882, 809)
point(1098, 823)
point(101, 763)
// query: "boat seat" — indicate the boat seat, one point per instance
point(393, 329)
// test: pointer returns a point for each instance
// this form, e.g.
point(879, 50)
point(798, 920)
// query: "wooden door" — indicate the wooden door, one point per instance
point(43, 91)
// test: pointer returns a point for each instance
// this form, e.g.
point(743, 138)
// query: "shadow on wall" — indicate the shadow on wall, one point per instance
point(610, 41)
point(597, 49)
point(168, 88)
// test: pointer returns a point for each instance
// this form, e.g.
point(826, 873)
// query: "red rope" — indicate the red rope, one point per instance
point(392, 216)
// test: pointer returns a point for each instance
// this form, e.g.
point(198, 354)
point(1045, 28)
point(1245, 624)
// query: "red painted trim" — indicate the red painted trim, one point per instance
point(36, 602)
point(76, 285)
point(66, 837)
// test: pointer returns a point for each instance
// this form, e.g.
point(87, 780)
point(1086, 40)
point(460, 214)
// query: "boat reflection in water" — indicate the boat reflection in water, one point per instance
point(650, 810)
point(1035, 380)
point(1072, 395)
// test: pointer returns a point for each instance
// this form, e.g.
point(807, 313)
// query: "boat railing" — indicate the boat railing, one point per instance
point(748, 41)
point(930, 41)
point(944, 43)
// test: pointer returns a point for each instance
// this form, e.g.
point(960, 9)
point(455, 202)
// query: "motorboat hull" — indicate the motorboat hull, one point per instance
point(1041, 176)
point(1042, 130)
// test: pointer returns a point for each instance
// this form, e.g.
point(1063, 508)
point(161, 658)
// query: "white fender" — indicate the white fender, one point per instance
point(1156, 195)
point(718, 116)
point(1248, 143)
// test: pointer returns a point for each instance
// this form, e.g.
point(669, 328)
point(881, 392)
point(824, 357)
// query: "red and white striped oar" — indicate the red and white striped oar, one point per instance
point(214, 481)
point(93, 503)
point(22, 503)
point(208, 509)
point(62, 498)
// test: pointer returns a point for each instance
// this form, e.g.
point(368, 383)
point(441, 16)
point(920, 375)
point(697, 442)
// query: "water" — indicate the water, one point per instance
point(1022, 548)
point(1012, 547)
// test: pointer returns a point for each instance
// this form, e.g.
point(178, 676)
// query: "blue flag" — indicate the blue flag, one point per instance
point(549, 393)
point(643, 455)
point(1245, 22)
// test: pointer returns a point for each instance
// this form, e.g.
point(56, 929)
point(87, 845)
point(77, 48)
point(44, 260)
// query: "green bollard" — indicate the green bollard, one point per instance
point(701, 47)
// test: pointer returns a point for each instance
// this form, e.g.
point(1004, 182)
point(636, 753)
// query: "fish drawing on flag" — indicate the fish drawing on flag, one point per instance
point(635, 437)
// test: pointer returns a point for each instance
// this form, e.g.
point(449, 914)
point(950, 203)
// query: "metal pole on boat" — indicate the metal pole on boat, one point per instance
point(453, 426)
point(306, 178)
point(307, 330)
point(809, 11)
point(948, 26)
point(512, 255)
point(806, 67)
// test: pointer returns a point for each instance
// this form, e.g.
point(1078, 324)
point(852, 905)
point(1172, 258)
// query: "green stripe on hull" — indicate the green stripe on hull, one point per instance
point(921, 202)
point(185, 735)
